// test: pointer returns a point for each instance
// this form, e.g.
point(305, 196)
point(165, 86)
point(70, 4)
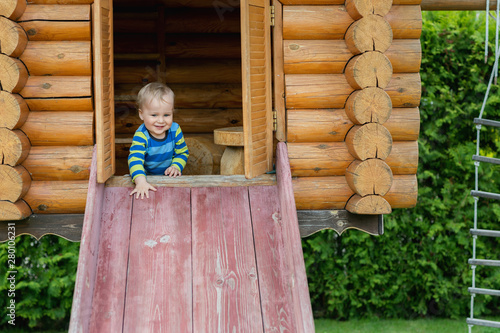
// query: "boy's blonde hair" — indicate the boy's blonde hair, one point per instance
point(153, 91)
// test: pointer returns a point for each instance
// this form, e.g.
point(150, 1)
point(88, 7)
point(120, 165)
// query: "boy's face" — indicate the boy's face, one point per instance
point(158, 116)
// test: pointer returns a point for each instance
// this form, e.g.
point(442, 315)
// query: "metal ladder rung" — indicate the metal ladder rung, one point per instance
point(491, 160)
point(483, 291)
point(487, 195)
point(484, 262)
point(483, 232)
point(482, 322)
point(486, 122)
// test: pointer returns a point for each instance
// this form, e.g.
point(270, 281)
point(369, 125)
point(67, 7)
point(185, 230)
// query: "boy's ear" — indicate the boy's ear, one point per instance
point(140, 114)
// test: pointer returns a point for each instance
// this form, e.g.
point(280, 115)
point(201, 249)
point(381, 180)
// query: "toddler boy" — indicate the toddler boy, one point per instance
point(158, 146)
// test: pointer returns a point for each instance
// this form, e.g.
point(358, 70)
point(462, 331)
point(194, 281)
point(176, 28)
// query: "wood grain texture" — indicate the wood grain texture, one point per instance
point(57, 197)
point(13, 212)
point(57, 86)
point(58, 58)
point(14, 182)
point(224, 267)
point(278, 72)
point(12, 9)
point(369, 141)
point(293, 243)
point(13, 39)
point(56, 13)
point(324, 91)
point(229, 136)
point(14, 146)
point(274, 273)
point(332, 21)
point(404, 192)
point(368, 105)
point(370, 69)
point(370, 33)
point(331, 125)
point(59, 163)
point(81, 309)
point(362, 8)
point(331, 56)
point(57, 30)
point(110, 282)
point(370, 204)
point(59, 128)
point(13, 110)
point(369, 177)
point(159, 281)
point(311, 159)
point(256, 88)
point(13, 74)
point(60, 104)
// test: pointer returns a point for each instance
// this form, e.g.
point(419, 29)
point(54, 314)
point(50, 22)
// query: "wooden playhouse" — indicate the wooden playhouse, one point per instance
point(338, 82)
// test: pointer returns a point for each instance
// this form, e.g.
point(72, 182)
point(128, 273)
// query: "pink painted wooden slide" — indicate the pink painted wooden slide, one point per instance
point(200, 259)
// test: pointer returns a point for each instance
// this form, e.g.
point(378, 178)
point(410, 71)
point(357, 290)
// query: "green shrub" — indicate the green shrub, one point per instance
point(45, 279)
point(419, 266)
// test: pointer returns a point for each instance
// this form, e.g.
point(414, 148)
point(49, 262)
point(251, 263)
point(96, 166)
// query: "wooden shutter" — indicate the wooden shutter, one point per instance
point(104, 88)
point(256, 77)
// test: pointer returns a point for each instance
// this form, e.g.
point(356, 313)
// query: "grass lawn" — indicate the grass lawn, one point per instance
point(399, 326)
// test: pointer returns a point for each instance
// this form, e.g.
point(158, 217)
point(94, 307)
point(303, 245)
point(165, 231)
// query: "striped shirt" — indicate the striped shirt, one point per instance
point(149, 155)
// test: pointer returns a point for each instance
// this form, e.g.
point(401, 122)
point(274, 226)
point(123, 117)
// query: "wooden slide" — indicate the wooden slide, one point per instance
point(192, 259)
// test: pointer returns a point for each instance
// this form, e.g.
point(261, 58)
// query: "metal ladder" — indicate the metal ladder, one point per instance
point(476, 193)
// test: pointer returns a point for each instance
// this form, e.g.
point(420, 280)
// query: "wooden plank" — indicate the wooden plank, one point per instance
point(109, 295)
point(56, 13)
point(89, 248)
point(279, 76)
point(104, 87)
point(274, 274)
point(225, 282)
point(196, 181)
point(67, 226)
point(292, 241)
point(312, 221)
point(159, 283)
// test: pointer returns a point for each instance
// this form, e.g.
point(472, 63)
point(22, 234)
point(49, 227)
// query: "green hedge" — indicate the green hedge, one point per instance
point(418, 267)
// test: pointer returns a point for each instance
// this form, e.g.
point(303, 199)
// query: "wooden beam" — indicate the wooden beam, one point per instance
point(457, 4)
point(68, 226)
point(312, 221)
point(196, 181)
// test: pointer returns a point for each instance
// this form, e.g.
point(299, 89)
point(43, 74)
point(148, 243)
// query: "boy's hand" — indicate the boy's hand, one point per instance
point(172, 171)
point(142, 187)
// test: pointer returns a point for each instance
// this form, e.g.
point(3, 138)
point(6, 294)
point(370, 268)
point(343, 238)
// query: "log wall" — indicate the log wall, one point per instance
point(352, 89)
point(46, 109)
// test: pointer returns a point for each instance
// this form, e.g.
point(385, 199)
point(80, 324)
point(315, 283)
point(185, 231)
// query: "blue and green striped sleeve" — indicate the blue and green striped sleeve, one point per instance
point(181, 152)
point(137, 155)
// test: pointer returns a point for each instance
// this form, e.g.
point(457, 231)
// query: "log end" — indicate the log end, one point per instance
point(369, 141)
point(14, 211)
point(13, 110)
point(14, 182)
point(362, 8)
point(369, 177)
point(370, 33)
point(369, 205)
point(13, 74)
point(370, 69)
point(14, 146)
point(12, 9)
point(13, 39)
point(370, 105)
